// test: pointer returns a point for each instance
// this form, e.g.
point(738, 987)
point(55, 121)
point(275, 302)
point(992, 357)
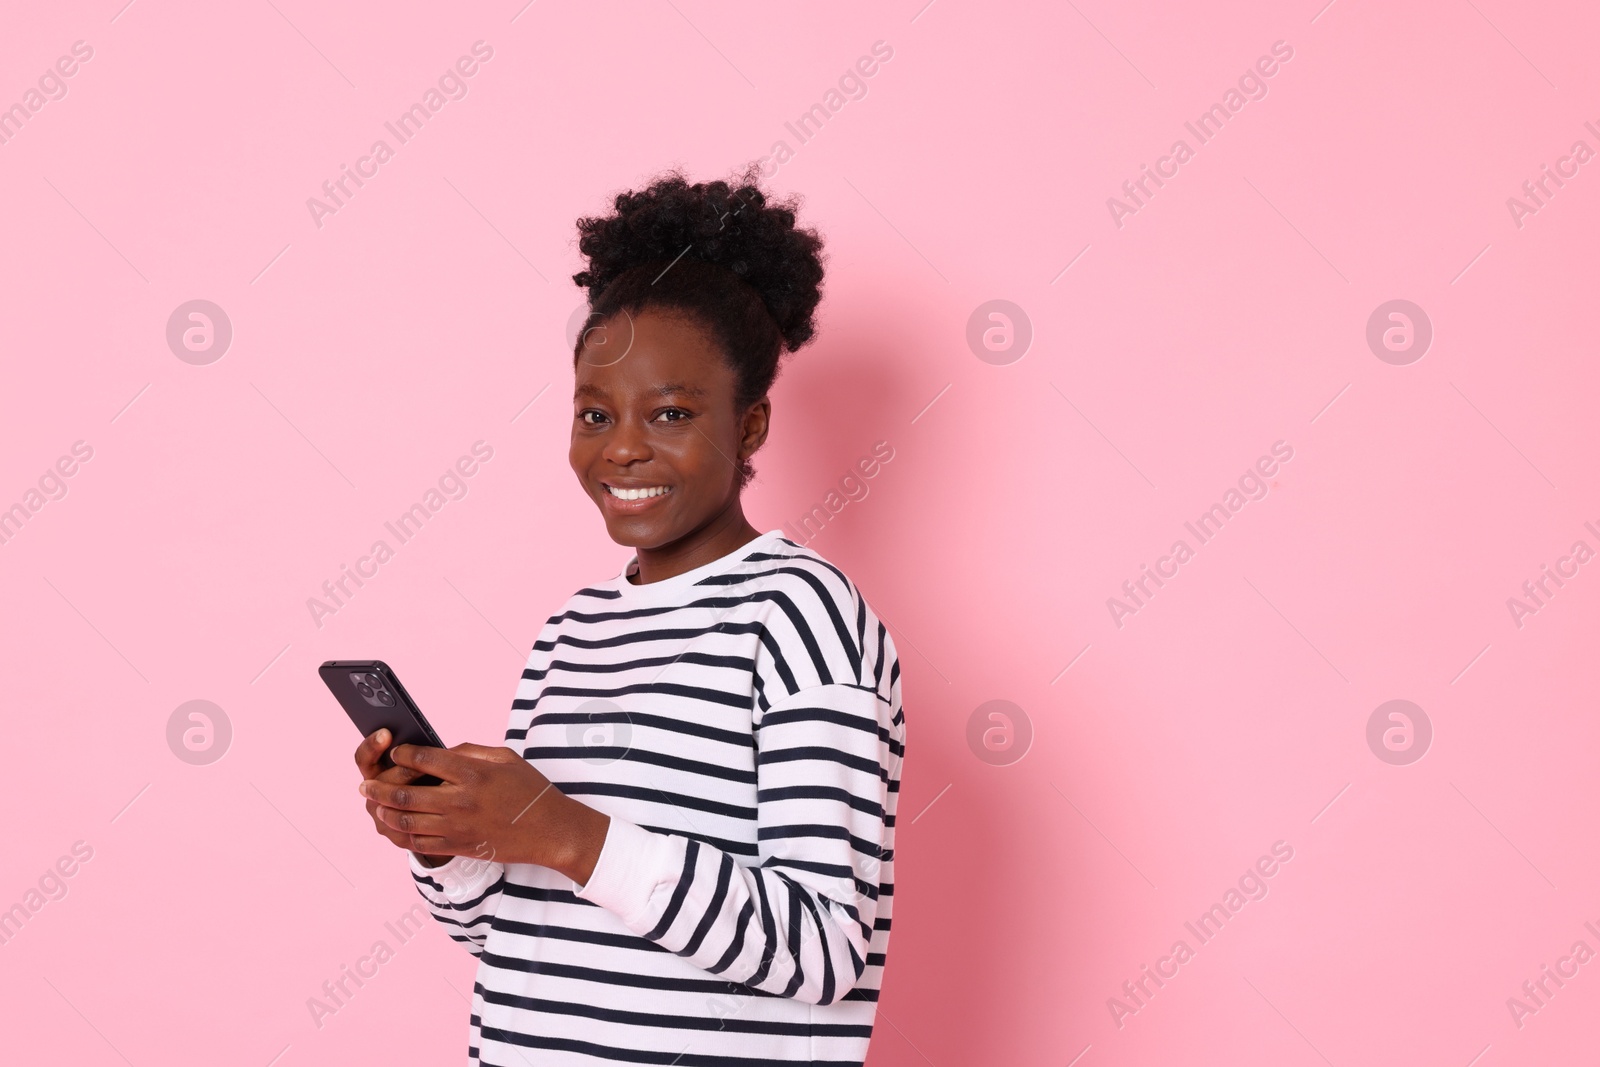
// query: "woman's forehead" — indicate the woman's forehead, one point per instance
point(651, 354)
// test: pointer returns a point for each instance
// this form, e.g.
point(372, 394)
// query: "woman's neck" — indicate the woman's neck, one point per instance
point(726, 533)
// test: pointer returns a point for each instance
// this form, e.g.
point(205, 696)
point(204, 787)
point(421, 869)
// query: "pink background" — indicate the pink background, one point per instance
point(1227, 314)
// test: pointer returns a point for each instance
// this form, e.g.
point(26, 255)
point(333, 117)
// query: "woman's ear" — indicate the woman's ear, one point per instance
point(757, 419)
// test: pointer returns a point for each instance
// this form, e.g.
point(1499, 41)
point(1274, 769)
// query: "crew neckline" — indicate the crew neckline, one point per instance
point(679, 582)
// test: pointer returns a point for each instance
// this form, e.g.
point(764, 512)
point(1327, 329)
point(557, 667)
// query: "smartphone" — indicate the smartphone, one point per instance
point(371, 694)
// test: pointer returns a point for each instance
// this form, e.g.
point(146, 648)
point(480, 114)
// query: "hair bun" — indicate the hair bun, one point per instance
point(734, 225)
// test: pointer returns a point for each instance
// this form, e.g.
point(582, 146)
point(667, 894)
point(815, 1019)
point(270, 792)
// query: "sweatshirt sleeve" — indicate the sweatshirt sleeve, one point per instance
point(463, 895)
point(797, 923)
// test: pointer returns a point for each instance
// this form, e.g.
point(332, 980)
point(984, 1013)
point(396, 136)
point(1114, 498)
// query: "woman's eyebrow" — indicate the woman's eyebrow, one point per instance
point(665, 389)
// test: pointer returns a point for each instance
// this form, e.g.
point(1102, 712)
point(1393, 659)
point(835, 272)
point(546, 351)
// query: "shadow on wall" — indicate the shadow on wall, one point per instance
point(951, 855)
point(837, 421)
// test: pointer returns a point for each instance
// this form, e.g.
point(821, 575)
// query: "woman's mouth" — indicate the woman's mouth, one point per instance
point(634, 498)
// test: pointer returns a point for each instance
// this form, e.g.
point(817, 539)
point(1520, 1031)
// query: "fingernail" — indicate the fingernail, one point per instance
point(362, 789)
point(383, 737)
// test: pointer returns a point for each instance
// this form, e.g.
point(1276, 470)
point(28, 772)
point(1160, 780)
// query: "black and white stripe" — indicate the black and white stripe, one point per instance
point(741, 725)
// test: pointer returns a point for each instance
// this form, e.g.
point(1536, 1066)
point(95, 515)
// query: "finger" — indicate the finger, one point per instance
point(395, 836)
point(405, 797)
point(397, 775)
point(369, 751)
point(439, 762)
point(429, 846)
point(498, 754)
point(411, 822)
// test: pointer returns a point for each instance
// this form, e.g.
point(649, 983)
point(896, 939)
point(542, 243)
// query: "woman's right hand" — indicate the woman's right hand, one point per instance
point(368, 759)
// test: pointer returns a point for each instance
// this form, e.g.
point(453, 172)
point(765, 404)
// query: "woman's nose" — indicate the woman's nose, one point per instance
point(628, 442)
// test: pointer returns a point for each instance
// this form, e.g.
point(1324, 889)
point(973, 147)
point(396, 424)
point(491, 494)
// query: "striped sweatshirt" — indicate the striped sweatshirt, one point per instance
point(740, 723)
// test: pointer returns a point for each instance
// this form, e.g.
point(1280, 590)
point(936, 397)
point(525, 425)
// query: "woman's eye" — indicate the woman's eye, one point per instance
point(676, 415)
point(585, 417)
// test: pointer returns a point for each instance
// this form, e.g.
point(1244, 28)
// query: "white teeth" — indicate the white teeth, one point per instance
point(636, 494)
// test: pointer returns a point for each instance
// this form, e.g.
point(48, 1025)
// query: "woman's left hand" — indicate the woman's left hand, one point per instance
point(491, 804)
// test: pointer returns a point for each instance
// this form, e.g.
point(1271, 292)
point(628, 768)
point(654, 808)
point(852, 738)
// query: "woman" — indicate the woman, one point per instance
point(709, 880)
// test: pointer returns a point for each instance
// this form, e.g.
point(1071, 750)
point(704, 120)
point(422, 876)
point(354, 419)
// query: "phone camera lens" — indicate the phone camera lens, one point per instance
point(365, 689)
point(374, 681)
point(386, 699)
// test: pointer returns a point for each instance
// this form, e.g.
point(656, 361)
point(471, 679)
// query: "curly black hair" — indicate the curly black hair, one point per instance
point(724, 254)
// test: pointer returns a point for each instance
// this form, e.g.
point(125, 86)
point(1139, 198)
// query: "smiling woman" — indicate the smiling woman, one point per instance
point(711, 878)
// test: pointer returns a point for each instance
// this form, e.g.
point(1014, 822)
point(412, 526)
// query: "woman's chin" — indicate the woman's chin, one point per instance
point(636, 531)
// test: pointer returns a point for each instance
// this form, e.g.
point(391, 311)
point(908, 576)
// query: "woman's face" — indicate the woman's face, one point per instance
point(654, 418)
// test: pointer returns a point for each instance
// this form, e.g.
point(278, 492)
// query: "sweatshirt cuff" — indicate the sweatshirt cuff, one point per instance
point(634, 864)
point(462, 878)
